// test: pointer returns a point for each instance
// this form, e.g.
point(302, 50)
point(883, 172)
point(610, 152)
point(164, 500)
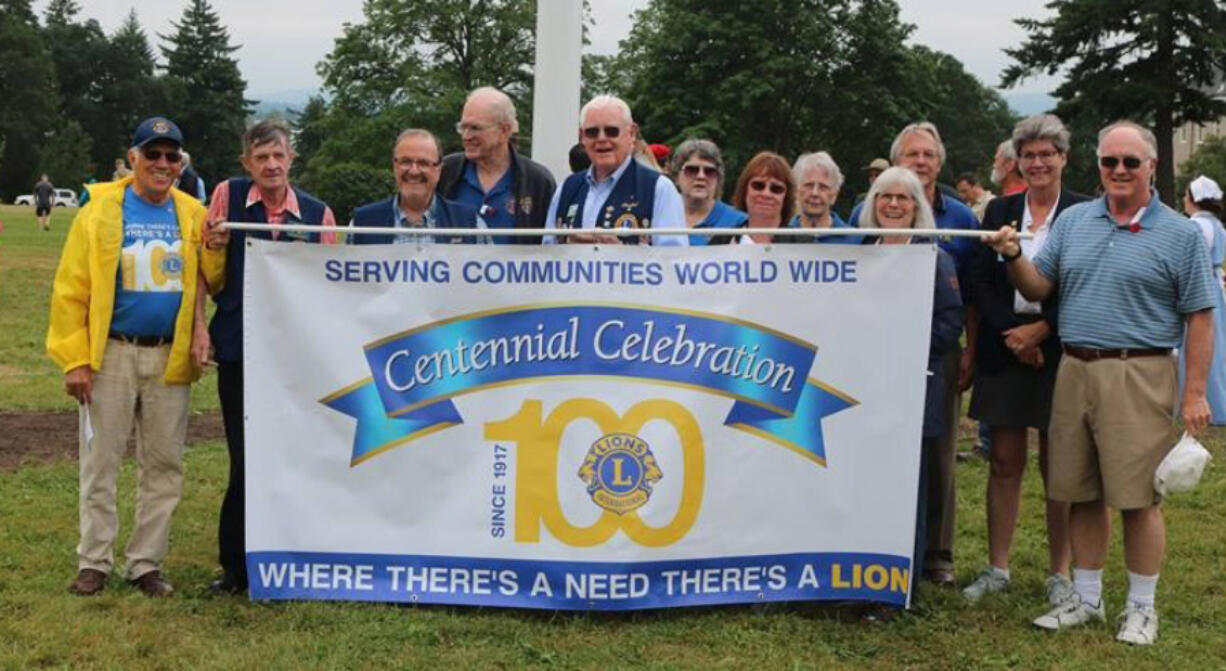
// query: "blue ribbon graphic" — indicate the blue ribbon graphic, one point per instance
point(414, 375)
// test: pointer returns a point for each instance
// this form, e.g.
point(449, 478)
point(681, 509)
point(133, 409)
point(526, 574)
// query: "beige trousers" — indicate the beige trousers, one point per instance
point(128, 393)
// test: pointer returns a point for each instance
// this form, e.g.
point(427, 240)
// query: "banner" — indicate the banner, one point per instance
point(584, 427)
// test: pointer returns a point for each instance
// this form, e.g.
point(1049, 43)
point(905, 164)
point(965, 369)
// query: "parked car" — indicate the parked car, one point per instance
point(63, 198)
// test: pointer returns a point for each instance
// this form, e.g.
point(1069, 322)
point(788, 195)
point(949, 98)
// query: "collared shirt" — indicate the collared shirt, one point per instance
point(1125, 289)
point(429, 220)
point(1030, 247)
point(219, 209)
point(668, 212)
point(835, 222)
point(495, 207)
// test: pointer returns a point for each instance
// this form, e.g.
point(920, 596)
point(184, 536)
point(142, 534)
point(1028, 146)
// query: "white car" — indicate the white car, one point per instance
point(63, 198)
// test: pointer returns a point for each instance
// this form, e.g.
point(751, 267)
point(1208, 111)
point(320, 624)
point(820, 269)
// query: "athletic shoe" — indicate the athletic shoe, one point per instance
point(989, 581)
point(1071, 612)
point(1059, 588)
point(1138, 625)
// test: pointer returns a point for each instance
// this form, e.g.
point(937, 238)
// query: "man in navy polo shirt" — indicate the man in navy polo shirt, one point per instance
point(1133, 276)
point(509, 190)
point(617, 191)
point(417, 207)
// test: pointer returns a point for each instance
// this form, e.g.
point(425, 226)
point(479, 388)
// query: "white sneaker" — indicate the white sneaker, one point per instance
point(1059, 588)
point(1138, 625)
point(988, 582)
point(1071, 612)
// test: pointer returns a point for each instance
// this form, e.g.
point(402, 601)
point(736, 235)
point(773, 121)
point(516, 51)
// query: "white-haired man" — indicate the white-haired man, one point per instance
point(1005, 173)
point(507, 189)
point(616, 191)
point(1133, 277)
point(818, 180)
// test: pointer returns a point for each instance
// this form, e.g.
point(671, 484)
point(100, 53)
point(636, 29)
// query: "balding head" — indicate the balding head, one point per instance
point(486, 125)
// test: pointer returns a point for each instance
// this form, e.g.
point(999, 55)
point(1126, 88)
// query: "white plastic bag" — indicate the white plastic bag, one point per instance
point(1182, 467)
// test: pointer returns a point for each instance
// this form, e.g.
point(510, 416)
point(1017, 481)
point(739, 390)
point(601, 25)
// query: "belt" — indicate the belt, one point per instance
point(140, 340)
point(1092, 354)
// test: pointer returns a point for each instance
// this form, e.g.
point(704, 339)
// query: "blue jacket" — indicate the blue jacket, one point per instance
point(383, 214)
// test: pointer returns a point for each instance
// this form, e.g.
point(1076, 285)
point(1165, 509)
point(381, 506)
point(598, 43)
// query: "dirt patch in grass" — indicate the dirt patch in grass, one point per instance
point(37, 437)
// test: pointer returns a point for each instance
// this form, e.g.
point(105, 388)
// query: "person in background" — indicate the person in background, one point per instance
point(698, 169)
point(818, 180)
point(1017, 355)
point(189, 181)
point(1005, 172)
point(973, 194)
point(121, 170)
point(44, 200)
point(508, 189)
point(1203, 204)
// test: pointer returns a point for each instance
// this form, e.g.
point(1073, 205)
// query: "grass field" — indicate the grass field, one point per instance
point(42, 626)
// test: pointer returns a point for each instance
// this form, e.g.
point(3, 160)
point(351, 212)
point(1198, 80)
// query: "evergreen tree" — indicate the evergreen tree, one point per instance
point(130, 92)
point(78, 50)
point(28, 99)
point(1148, 61)
point(206, 90)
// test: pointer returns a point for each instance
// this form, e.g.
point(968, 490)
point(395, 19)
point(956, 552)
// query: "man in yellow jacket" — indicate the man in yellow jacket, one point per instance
point(121, 325)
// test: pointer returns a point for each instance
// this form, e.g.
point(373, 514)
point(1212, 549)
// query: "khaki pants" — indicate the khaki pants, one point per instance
point(129, 392)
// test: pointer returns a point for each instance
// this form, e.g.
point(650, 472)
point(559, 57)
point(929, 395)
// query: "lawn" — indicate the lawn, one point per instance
point(42, 626)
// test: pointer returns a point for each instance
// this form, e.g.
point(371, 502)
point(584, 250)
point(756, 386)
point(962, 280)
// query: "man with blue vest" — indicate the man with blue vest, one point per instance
point(508, 189)
point(265, 196)
point(121, 330)
point(416, 208)
point(616, 191)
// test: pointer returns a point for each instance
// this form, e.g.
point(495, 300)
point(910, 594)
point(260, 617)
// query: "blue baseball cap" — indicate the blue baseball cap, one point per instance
point(156, 128)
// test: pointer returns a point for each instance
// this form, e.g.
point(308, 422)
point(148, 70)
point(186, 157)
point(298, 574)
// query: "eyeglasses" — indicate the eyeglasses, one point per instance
point(694, 170)
point(152, 155)
point(593, 132)
point(762, 185)
point(474, 128)
point(419, 163)
point(1044, 156)
point(1110, 162)
point(900, 198)
point(817, 186)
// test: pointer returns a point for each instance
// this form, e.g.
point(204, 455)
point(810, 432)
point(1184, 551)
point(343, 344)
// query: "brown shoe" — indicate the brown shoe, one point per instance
point(153, 585)
point(89, 582)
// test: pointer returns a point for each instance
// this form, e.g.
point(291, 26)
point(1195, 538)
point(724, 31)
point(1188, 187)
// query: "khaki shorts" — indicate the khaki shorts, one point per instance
point(1112, 422)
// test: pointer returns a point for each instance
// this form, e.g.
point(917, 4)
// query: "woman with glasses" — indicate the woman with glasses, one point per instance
point(698, 169)
point(1017, 354)
point(896, 200)
point(1203, 204)
point(766, 193)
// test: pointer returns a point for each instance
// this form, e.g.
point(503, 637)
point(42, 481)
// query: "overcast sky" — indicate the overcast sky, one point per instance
point(284, 58)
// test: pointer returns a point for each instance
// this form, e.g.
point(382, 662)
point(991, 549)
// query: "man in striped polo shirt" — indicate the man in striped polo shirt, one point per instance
point(1130, 277)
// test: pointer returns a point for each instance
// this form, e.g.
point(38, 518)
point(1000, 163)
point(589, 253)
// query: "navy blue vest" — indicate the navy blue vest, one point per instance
point(226, 329)
point(629, 205)
point(382, 214)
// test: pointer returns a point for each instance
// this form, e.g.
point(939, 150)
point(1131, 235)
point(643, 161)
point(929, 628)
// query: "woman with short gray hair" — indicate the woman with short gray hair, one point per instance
point(698, 169)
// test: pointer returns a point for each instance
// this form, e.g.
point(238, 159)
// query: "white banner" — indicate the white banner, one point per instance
point(580, 427)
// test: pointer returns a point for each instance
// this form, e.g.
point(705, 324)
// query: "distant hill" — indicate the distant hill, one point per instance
point(285, 103)
point(1026, 104)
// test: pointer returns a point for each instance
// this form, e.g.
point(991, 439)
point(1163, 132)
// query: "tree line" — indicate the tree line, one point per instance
point(786, 75)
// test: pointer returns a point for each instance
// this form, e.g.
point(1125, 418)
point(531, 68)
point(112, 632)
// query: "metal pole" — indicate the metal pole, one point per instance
point(623, 232)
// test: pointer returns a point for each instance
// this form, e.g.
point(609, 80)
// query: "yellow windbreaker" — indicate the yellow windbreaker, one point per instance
point(83, 296)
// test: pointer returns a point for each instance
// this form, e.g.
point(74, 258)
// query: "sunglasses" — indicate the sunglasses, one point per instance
point(1109, 162)
point(152, 155)
point(593, 132)
point(694, 170)
point(762, 185)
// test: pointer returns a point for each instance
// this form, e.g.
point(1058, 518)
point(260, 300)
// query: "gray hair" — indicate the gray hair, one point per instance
point(1037, 128)
point(418, 132)
point(1005, 148)
point(704, 149)
point(500, 104)
point(920, 127)
point(894, 177)
point(263, 132)
point(820, 159)
point(1146, 134)
point(606, 101)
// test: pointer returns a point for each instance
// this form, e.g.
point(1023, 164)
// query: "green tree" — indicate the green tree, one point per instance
point(78, 51)
point(1209, 159)
point(206, 90)
point(129, 91)
point(28, 98)
point(410, 64)
point(1139, 59)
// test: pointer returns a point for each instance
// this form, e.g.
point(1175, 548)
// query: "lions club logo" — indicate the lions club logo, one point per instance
point(619, 471)
point(161, 126)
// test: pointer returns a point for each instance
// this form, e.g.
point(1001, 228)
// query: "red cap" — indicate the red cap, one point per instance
point(660, 151)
